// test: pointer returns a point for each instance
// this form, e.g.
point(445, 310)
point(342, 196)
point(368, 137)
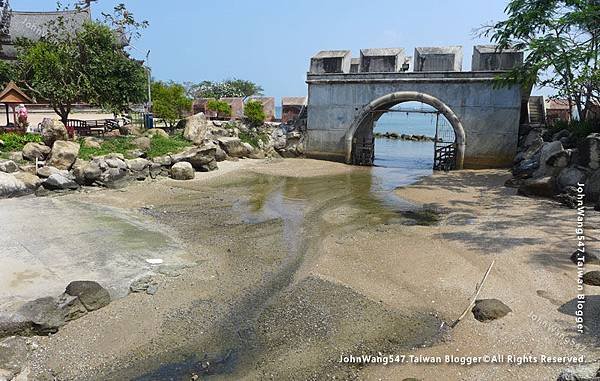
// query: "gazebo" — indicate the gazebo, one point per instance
point(12, 96)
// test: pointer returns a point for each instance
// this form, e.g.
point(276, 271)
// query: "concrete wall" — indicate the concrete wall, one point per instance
point(438, 58)
point(489, 116)
point(486, 58)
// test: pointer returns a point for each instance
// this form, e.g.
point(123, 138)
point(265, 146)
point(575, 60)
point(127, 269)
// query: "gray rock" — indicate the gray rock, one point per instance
point(204, 158)
point(559, 159)
point(53, 130)
point(561, 134)
point(533, 138)
point(116, 163)
point(186, 155)
point(71, 307)
point(165, 161)
point(16, 156)
point(183, 171)
point(544, 187)
point(63, 154)
point(136, 153)
point(48, 171)
point(86, 173)
point(581, 372)
point(220, 154)
point(92, 142)
point(8, 166)
point(547, 151)
point(196, 128)
point(60, 182)
point(91, 294)
point(145, 284)
point(489, 309)
point(31, 181)
point(44, 314)
point(156, 132)
point(523, 170)
point(592, 278)
point(114, 178)
point(233, 147)
point(587, 257)
point(589, 152)
point(13, 356)
point(592, 187)
point(143, 143)
point(33, 151)
point(570, 177)
point(11, 186)
point(137, 165)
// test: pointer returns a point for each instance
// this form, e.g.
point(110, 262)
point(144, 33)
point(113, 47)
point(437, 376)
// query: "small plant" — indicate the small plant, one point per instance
point(254, 113)
point(15, 142)
point(220, 107)
point(253, 138)
point(580, 128)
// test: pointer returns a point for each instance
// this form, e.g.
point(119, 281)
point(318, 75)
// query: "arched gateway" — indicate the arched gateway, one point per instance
point(371, 112)
point(346, 95)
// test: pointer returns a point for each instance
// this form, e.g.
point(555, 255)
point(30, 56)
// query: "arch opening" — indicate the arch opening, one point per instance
point(359, 138)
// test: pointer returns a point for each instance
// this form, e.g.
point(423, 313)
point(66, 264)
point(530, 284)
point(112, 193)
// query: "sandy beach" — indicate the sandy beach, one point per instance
point(295, 263)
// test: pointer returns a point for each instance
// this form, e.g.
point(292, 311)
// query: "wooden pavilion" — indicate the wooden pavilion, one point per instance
point(11, 97)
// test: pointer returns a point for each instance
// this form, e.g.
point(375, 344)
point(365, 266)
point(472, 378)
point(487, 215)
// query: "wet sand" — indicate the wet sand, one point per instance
point(301, 261)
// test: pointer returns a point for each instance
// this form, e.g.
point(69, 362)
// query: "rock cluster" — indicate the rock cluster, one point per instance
point(213, 142)
point(553, 166)
point(411, 138)
point(45, 316)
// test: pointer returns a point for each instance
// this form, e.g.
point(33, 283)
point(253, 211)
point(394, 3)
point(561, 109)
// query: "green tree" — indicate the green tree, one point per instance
point(88, 66)
point(222, 108)
point(561, 40)
point(224, 89)
point(254, 113)
point(170, 101)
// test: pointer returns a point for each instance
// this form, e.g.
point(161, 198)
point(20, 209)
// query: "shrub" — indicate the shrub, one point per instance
point(253, 138)
point(254, 113)
point(221, 107)
point(14, 141)
point(580, 128)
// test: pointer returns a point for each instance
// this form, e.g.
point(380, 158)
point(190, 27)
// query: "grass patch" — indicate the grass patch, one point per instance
point(253, 138)
point(120, 144)
point(161, 146)
point(15, 142)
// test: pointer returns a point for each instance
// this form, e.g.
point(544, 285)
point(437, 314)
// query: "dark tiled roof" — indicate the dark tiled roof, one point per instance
point(33, 25)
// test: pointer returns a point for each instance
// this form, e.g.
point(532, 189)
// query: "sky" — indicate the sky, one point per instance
point(270, 42)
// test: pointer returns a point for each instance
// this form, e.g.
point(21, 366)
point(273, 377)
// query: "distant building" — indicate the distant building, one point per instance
point(291, 107)
point(557, 110)
point(33, 25)
point(268, 104)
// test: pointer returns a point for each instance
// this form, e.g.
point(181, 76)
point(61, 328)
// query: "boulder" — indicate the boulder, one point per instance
point(165, 161)
point(523, 170)
point(589, 152)
point(71, 307)
point(156, 132)
point(581, 372)
point(547, 151)
point(186, 155)
point(592, 278)
point(204, 159)
point(544, 187)
point(533, 138)
point(220, 154)
point(559, 159)
point(59, 182)
point(586, 256)
point(63, 154)
point(91, 294)
point(233, 147)
point(8, 166)
point(86, 173)
point(143, 143)
point(140, 168)
point(145, 284)
point(570, 177)
point(564, 133)
point(33, 151)
point(114, 177)
point(196, 128)
point(53, 130)
point(44, 314)
point(489, 309)
point(11, 186)
point(182, 171)
point(45, 172)
point(92, 142)
point(592, 186)
point(31, 181)
point(16, 156)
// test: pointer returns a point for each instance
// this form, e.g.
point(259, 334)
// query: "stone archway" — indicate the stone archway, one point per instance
point(390, 100)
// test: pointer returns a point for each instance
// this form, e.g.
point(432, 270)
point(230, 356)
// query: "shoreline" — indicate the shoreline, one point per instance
point(383, 259)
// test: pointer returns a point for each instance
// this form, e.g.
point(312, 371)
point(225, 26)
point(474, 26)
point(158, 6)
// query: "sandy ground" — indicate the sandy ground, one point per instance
point(295, 270)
